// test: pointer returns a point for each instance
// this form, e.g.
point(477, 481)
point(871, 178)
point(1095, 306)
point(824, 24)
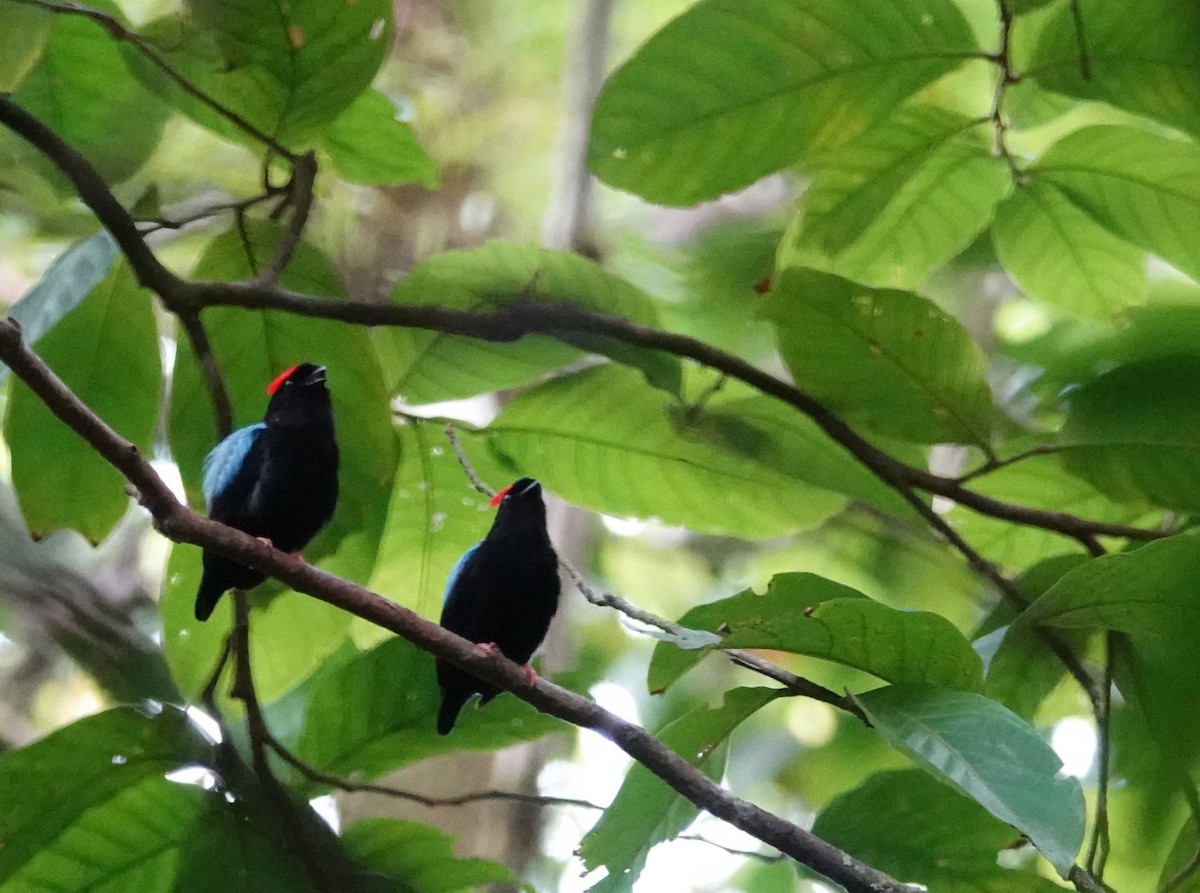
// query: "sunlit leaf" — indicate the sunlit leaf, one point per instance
point(807, 614)
point(605, 440)
point(61, 480)
point(677, 126)
point(890, 207)
point(368, 143)
point(889, 360)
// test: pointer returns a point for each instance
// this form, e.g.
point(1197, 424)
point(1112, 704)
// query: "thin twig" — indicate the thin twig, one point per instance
point(208, 695)
point(160, 223)
point(210, 372)
point(118, 31)
point(1098, 846)
point(1045, 449)
point(1006, 76)
point(300, 197)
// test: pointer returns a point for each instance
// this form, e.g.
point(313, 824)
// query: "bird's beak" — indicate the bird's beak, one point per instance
point(317, 376)
point(530, 487)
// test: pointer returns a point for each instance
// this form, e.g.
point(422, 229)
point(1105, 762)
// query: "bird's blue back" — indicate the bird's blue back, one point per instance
point(226, 458)
point(456, 572)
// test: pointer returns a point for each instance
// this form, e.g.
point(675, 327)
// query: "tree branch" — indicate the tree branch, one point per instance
point(180, 524)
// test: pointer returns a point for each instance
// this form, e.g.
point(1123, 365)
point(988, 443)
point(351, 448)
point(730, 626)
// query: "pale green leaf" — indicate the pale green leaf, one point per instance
point(368, 143)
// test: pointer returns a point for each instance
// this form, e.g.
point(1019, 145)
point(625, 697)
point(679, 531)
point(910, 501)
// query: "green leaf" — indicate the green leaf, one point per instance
point(645, 811)
point(420, 856)
point(81, 88)
point(434, 515)
point(678, 124)
point(806, 614)
point(368, 143)
point(23, 32)
point(892, 206)
point(58, 791)
point(991, 755)
point(604, 440)
point(315, 57)
point(1141, 57)
point(1143, 187)
point(1059, 255)
point(1038, 482)
point(940, 838)
point(1134, 433)
point(68, 281)
point(61, 481)
point(1023, 670)
point(888, 360)
point(427, 367)
point(115, 844)
point(1182, 861)
point(377, 713)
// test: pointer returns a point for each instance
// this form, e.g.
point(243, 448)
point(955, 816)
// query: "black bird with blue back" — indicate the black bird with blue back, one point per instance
point(276, 480)
point(502, 594)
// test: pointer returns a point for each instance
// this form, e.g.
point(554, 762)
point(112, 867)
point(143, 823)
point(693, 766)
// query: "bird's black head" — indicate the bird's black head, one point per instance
point(299, 398)
point(521, 510)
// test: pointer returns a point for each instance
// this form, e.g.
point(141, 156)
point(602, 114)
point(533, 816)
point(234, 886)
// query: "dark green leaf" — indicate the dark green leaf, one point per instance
point(892, 206)
point(420, 856)
point(912, 827)
point(62, 482)
point(426, 367)
point(1141, 57)
point(645, 811)
point(368, 143)
point(376, 713)
point(891, 361)
point(66, 283)
point(1134, 433)
point(1060, 255)
point(315, 57)
point(679, 123)
point(1142, 186)
point(55, 787)
point(807, 614)
point(603, 439)
point(82, 89)
point(989, 754)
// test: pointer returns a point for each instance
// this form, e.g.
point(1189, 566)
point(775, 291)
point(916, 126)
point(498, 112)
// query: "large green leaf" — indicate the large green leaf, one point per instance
point(61, 481)
point(892, 206)
point(938, 838)
point(1059, 255)
point(61, 793)
point(681, 122)
point(82, 89)
point(1141, 57)
point(807, 614)
point(646, 811)
point(377, 712)
point(292, 636)
point(1142, 186)
point(989, 754)
point(891, 361)
point(605, 440)
point(313, 57)
point(420, 856)
point(426, 367)
point(64, 286)
point(368, 143)
point(1134, 433)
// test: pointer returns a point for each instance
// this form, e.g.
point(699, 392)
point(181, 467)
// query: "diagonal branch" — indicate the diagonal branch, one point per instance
point(180, 524)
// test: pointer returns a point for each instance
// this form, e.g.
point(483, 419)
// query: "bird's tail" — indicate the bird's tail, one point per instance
point(210, 592)
point(452, 703)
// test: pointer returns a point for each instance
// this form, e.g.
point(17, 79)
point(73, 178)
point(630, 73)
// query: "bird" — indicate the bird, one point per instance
point(276, 480)
point(502, 594)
